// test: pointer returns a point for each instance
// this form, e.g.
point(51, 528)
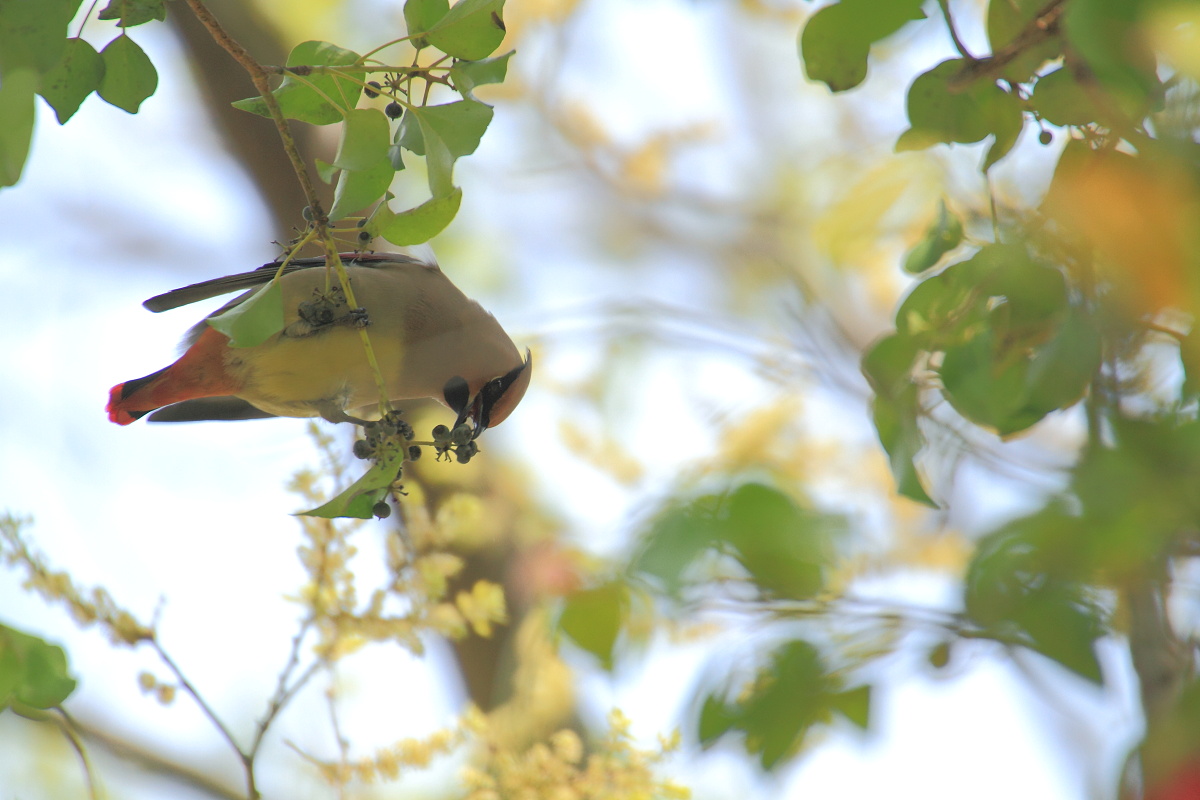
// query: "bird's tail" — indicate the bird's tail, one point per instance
point(200, 372)
point(134, 399)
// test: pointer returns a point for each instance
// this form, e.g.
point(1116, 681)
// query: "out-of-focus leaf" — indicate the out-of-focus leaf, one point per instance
point(895, 421)
point(887, 365)
point(471, 30)
point(1008, 18)
point(940, 114)
point(854, 704)
point(33, 33)
point(676, 540)
point(319, 99)
point(792, 693)
point(836, 40)
point(129, 77)
point(1061, 100)
point(135, 12)
point(592, 618)
point(253, 321)
point(1107, 34)
point(943, 235)
point(76, 76)
point(784, 548)
point(17, 113)
point(33, 672)
point(1012, 592)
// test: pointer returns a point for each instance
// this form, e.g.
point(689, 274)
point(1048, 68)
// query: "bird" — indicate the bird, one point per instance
point(430, 340)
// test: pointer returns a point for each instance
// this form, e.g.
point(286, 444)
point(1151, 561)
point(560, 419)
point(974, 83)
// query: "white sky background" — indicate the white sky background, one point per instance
point(115, 208)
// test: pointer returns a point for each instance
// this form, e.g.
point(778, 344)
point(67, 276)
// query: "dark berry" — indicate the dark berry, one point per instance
point(414, 453)
point(441, 433)
point(1045, 137)
point(393, 110)
point(307, 213)
point(362, 449)
point(372, 88)
point(382, 510)
point(363, 236)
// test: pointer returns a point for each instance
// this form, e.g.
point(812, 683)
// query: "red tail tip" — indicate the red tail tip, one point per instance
point(115, 412)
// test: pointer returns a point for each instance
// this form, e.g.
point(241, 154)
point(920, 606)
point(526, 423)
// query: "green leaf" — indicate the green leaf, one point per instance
point(359, 499)
point(939, 113)
point(365, 138)
point(675, 541)
point(1061, 100)
point(17, 113)
point(447, 132)
point(833, 50)
point(129, 77)
point(78, 75)
point(854, 704)
point(317, 98)
point(460, 125)
point(254, 320)
point(471, 30)
point(135, 12)
point(778, 716)
point(421, 15)
point(943, 235)
point(716, 720)
point(1123, 64)
point(33, 33)
point(325, 170)
point(592, 618)
point(888, 366)
point(1013, 593)
point(783, 547)
point(422, 223)
point(837, 39)
point(895, 419)
point(32, 671)
point(1189, 358)
point(357, 189)
point(1008, 18)
point(466, 75)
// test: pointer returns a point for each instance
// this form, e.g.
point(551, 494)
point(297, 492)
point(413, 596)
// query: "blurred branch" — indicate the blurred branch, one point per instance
point(247, 137)
point(151, 761)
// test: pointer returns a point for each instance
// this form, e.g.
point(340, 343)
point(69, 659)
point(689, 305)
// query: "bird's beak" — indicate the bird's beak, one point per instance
point(494, 402)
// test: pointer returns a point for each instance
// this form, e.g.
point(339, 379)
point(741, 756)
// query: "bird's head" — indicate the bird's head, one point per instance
point(492, 404)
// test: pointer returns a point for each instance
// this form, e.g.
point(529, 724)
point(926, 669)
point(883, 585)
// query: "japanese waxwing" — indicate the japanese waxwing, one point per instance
point(430, 340)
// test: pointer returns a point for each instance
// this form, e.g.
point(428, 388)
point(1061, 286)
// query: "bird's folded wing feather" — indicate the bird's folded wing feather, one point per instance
point(245, 280)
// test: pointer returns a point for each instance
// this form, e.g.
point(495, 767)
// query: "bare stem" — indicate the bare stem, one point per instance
point(958, 45)
point(247, 759)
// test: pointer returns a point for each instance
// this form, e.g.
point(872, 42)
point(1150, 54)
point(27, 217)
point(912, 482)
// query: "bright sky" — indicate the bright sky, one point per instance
point(196, 516)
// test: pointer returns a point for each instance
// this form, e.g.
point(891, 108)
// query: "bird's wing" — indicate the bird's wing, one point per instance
point(245, 280)
point(203, 409)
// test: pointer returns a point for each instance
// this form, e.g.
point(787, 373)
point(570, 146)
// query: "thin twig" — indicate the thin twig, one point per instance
point(958, 45)
point(1042, 27)
point(247, 760)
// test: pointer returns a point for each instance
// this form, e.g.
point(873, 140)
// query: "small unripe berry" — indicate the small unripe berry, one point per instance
point(362, 449)
point(382, 510)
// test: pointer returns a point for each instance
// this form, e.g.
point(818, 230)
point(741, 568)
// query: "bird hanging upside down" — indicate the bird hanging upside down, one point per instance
point(430, 340)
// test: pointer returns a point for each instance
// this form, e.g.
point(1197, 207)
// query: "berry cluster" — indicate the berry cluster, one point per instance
point(460, 441)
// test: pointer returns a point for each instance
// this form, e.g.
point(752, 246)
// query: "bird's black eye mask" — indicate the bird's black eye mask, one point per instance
point(458, 397)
